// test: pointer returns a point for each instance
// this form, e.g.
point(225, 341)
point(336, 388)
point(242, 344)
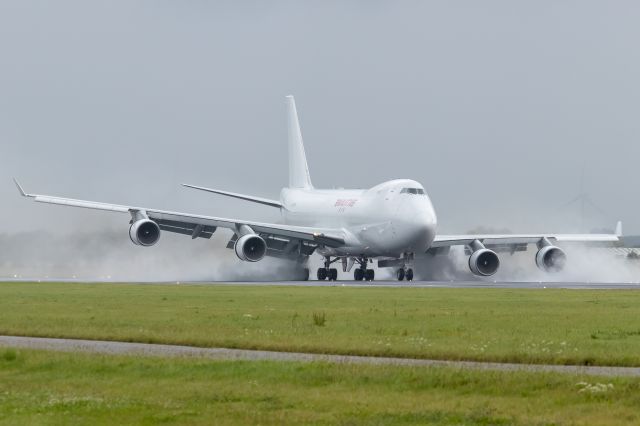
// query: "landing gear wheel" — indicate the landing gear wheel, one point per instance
point(369, 274)
point(409, 274)
point(333, 274)
point(322, 274)
point(358, 274)
point(400, 274)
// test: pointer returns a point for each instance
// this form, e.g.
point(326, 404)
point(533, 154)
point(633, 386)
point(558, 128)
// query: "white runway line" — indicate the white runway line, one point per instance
point(147, 349)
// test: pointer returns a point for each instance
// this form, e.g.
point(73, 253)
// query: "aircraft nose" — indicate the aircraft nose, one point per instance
point(424, 222)
point(415, 225)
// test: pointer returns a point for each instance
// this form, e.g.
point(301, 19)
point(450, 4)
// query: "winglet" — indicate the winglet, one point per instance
point(619, 229)
point(24, 194)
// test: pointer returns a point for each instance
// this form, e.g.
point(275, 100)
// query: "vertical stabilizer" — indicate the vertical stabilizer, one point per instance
point(298, 169)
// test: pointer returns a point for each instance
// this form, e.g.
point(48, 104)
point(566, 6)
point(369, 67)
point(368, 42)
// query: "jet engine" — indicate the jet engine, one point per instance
point(483, 262)
point(250, 248)
point(144, 232)
point(549, 257)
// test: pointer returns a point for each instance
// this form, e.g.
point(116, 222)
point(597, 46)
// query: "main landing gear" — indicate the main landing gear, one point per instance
point(362, 273)
point(404, 273)
point(359, 274)
point(328, 273)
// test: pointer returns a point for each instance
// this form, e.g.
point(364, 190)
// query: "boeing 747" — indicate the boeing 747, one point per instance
point(391, 222)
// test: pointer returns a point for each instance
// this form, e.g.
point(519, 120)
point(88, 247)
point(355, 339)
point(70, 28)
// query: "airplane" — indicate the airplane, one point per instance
point(391, 222)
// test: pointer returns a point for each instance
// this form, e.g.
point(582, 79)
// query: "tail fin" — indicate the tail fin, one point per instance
point(298, 168)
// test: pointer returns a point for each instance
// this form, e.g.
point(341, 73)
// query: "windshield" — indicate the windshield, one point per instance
point(412, 191)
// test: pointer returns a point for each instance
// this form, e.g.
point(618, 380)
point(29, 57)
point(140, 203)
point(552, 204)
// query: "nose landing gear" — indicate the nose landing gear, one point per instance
point(406, 271)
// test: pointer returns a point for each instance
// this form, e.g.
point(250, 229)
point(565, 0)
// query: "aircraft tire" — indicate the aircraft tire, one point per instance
point(322, 274)
point(358, 274)
point(400, 274)
point(409, 275)
point(333, 274)
point(370, 274)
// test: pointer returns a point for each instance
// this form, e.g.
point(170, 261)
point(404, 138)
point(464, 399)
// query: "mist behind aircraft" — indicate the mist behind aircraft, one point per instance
point(108, 255)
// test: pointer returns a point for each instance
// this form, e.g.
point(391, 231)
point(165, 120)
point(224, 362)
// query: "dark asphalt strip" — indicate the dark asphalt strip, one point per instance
point(146, 349)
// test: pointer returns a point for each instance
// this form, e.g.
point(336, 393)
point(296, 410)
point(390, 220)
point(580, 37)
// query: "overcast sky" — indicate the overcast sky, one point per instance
point(496, 107)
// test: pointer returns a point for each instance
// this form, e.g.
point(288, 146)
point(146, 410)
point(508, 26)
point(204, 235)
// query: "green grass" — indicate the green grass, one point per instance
point(38, 387)
point(541, 326)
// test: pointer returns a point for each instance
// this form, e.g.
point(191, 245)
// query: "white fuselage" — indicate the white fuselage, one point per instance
point(390, 219)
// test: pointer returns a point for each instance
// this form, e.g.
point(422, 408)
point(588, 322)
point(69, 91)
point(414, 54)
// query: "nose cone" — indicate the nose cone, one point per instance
point(420, 222)
point(425, 222)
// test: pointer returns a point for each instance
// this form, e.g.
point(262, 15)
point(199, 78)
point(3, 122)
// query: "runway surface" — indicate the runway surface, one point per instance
point(578, 285)
point(437, 284)
point(146, 349)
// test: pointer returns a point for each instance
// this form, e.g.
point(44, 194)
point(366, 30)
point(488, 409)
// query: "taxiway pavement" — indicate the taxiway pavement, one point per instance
point(147, 349)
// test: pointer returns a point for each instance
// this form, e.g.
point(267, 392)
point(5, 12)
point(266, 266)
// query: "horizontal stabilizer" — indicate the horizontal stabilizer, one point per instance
point(265, 201)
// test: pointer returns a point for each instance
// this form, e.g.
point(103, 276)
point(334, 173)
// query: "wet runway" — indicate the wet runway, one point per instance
point(445, 284)
point(577, 285)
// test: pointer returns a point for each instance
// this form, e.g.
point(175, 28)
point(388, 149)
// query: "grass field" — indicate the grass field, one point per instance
point(57, 388)
point(542, 326)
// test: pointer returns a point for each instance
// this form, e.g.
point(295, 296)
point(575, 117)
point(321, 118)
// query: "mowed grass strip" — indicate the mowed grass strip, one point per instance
point(588, 327)
point(38, 387)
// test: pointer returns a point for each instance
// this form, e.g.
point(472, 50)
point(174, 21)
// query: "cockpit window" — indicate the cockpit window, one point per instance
point(412, 191)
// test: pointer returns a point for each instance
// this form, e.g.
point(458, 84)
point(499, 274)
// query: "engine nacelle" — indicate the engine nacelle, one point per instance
point(144, 232)
point(551, 258)
point(484, 262)
point(250, 248)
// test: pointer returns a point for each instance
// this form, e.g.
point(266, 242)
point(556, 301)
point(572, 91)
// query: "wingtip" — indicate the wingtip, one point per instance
point(619, 228)
point(20, 189)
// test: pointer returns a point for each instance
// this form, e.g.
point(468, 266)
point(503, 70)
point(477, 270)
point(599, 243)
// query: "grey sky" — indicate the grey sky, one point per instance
point(494, 106)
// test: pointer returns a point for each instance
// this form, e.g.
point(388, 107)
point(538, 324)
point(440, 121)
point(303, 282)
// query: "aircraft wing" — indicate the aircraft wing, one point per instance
point(204, 226)
point(511, 242)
